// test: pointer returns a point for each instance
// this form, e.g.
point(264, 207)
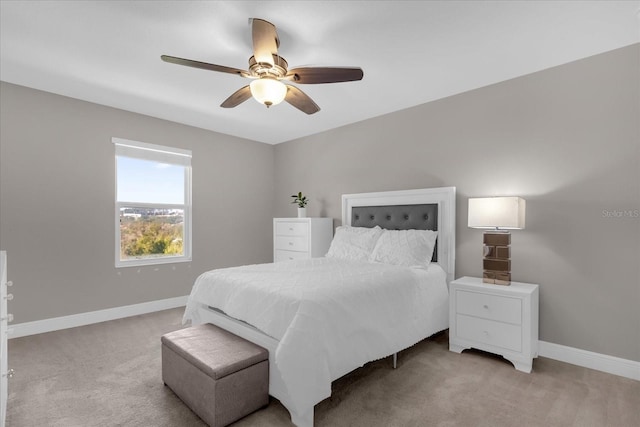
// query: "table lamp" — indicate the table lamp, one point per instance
point(498, 215)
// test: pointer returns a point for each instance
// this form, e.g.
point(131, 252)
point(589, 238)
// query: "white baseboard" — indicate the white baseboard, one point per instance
point(64, 322)
point(600, 362)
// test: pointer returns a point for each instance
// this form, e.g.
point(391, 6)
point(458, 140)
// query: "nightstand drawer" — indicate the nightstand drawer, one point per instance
point(284, 228)
point(292, 243)
point(281, 255)
point(492, 307)
point(489, 332)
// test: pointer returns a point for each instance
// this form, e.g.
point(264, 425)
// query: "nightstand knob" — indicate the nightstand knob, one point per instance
point(9, 284)
point(9, 297)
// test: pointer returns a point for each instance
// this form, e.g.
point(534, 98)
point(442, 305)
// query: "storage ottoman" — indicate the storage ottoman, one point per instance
point(217, 374)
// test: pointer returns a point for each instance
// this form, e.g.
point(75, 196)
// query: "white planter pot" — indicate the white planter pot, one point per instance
point(302, 212)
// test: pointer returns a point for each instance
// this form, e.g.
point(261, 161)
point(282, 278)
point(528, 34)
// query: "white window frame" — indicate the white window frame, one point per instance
point(162, 154)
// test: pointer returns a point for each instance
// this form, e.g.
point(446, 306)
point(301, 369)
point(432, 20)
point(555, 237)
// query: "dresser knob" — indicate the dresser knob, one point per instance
point(9, 318)
point(9, 297)
point(9, 283)
point(10, 373)
point(290, 243)
point(486, 307)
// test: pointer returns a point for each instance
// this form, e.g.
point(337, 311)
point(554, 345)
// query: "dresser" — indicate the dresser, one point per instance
point(5, 318)
point(300, 238)
point(494, 318)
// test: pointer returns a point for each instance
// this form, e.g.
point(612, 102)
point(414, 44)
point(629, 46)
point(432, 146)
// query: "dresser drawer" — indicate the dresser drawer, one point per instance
point(282, 255)
point(284, 228)
point(310, 237)
point(489, 332)
point(492, 307)
point(292, 243)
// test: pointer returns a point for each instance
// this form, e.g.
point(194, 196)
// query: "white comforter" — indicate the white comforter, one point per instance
point(330, 316)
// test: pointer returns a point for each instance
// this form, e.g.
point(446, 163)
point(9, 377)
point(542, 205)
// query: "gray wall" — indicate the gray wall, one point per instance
point(57, 172)
point(566, 139)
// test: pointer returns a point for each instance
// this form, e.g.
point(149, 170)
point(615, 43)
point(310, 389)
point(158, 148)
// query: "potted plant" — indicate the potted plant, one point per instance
point(301, 201)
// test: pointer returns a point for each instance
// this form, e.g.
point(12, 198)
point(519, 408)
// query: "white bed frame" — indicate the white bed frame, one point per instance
point(445, 197)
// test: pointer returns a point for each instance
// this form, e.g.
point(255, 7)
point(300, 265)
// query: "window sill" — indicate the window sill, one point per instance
point(151, 261)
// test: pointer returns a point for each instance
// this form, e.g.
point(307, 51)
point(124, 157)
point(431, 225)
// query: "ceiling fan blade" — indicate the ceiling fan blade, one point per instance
point(300, 100)
point(204, 65)
point(265, 40)
point(237, 98)
point(315, 75)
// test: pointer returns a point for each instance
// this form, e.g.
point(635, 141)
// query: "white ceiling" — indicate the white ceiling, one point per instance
point(412, 52)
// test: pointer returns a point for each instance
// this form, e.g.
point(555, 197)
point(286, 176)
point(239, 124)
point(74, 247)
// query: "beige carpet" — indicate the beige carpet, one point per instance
point(108, 374)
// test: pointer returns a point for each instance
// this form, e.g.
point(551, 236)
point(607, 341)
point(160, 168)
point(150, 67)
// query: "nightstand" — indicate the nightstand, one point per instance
point(301, 238)
point(494, 318)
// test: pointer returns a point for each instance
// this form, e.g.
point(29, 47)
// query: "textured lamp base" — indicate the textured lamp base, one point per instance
point(497, 253)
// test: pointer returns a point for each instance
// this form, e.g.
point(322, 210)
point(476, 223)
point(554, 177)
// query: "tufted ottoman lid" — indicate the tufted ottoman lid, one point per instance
point(213, 350)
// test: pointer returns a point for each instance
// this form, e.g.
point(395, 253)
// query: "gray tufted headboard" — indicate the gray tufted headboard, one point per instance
point(398, 217)
point(423, 209)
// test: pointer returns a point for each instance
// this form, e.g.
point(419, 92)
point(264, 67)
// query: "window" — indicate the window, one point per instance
point(153, 204)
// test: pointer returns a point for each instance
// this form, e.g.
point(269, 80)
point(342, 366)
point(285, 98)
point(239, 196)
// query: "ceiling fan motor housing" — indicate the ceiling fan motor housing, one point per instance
point(262, 69)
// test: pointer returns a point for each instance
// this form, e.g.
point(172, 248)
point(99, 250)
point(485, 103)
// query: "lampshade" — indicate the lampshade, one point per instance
point(268, 91)
point(497, 213)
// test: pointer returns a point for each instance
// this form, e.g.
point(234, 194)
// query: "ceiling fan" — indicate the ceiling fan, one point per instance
point(269, 70)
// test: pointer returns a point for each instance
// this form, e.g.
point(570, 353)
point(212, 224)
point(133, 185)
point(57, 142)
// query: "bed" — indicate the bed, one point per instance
point(324, 317)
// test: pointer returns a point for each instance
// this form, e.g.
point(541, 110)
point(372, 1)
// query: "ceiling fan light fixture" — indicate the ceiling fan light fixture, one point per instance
point(268, 91)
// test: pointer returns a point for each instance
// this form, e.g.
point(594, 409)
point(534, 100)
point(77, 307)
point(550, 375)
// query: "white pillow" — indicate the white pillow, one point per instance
point(411, 248)
point(354, 243)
